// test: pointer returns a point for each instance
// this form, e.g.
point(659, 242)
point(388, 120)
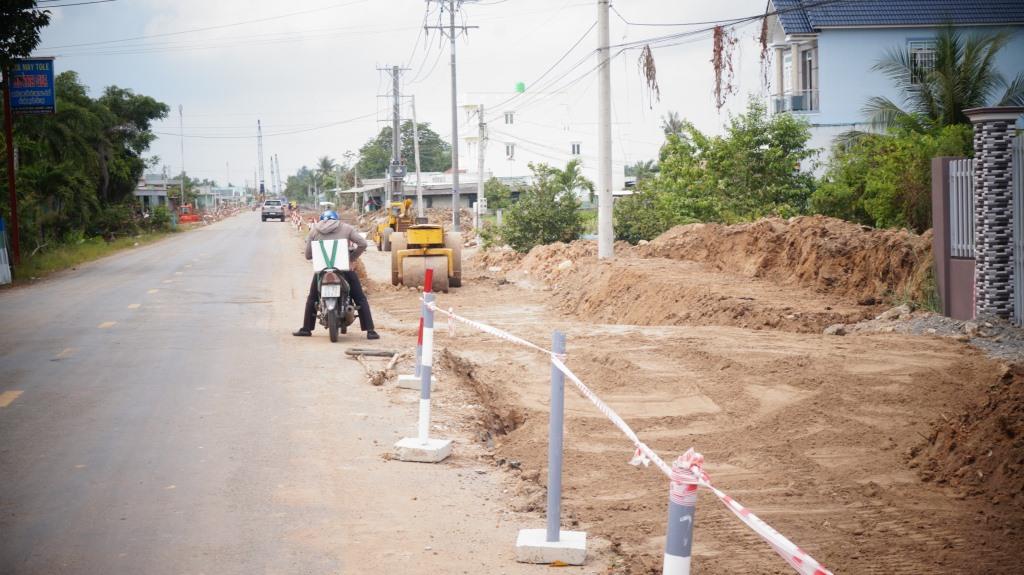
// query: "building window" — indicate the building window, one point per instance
point(510, 151)
point(575, 148)
point(510, 117)
point(922, 59)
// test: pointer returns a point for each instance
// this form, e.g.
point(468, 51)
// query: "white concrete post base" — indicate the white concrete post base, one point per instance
point(413, 382)
point(532, 546)
point(414, 449)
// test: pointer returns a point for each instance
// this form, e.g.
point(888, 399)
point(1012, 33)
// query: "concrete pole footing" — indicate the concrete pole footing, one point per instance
point(532, 546)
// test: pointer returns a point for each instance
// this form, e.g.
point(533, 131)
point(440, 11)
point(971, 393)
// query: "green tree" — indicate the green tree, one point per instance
point(964, 76)
point(642, 170)
point(672, 124)
point(375, 155)
point(499, 195)
point(80, 165)
point(642, 216)
point(572, 180)
point(757, 168)
point(885, 180)
point(20, 23)
point(546, 212)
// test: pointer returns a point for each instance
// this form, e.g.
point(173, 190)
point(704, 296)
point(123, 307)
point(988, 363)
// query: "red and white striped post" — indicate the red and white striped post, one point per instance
point(422, 448)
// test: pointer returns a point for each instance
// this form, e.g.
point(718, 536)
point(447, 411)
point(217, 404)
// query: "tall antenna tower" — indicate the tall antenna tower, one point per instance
point(280, 184)
point(259, 150)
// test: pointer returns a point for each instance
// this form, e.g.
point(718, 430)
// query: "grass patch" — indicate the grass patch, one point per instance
point(66, 256)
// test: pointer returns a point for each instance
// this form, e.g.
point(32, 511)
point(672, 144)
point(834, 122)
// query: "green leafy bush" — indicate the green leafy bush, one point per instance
point(159, 219)
point(759, 167)
point(498, 195)
point(114, 221)
point(546, 212)
point(884, 180)
point(641, 216)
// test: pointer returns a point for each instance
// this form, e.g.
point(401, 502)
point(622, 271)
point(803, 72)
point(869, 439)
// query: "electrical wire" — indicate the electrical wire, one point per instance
point(208, 28)
point(268, 135)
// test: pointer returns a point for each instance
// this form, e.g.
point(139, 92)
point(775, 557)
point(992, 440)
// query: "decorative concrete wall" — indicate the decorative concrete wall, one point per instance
point(993, 137)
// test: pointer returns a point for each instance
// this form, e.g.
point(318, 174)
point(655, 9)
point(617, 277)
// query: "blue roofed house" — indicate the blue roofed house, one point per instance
point(824, 51)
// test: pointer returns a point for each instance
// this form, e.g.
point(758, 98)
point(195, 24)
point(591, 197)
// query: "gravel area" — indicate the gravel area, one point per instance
point(996, 337)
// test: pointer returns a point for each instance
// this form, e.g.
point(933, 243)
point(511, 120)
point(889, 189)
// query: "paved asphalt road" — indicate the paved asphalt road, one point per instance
point(156, 416)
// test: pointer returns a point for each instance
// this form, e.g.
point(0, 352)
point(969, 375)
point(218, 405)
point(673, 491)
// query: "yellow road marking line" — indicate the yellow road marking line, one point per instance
point(134, 305)
point(66, 352)
point(178, 273)
point(154, 290)
point(107, 324)
point(7, 397)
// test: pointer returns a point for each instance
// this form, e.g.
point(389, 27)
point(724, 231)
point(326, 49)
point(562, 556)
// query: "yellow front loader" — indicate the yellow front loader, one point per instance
point(398, 219)
point(426, 246)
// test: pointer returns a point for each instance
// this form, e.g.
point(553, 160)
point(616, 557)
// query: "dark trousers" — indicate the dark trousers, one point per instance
point(355, 288)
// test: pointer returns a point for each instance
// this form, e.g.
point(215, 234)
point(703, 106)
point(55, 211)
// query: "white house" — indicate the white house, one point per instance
point(824, 51)
point(152, 190)
point(527, 128)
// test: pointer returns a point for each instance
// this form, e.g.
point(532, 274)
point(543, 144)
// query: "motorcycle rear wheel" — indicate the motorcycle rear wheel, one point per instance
point(332, 324)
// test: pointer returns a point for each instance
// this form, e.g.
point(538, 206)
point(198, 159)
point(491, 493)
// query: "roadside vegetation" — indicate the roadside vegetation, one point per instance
point(78, 167)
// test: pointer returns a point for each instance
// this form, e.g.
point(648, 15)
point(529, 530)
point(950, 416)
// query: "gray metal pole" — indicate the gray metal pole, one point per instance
point(455, 126)
point(682, 505)
point(605, 233)
point(555, 426)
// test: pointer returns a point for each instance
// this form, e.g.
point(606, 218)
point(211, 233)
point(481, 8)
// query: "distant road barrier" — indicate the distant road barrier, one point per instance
point(686, 474)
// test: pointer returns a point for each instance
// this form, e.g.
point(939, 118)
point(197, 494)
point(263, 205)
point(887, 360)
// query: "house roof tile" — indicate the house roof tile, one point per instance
point(808, 16)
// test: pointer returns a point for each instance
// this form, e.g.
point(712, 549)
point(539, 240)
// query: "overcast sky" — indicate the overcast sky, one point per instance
point(308, 69)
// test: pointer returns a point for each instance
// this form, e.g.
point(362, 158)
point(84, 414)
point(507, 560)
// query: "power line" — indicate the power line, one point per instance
point(207, 28)
point(285, 133)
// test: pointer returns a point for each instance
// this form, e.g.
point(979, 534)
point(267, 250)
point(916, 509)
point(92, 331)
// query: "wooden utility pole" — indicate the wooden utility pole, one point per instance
point(9, 138)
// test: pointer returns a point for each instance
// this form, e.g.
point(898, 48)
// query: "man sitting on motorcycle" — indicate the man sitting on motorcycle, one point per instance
point(330, 228)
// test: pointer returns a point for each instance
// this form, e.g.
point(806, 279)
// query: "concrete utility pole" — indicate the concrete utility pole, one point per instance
point(259, 150)
point(397, 171)
point(181, 134)
point(273, 181)
point(481, 146)
point(416, 154)
point(277, 164)
point(455, 114)
point(605, 233)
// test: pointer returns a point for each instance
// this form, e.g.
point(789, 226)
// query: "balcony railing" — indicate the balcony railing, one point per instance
point(802, 101)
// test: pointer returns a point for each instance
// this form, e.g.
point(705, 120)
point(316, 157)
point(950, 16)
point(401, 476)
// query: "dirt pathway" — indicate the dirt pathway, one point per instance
point(815, 433)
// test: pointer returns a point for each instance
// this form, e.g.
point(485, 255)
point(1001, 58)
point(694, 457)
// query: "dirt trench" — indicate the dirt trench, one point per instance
point(860, 448)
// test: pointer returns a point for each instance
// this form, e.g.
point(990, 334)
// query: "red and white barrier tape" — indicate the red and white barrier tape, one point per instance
point(451, 315)
point(692, 461)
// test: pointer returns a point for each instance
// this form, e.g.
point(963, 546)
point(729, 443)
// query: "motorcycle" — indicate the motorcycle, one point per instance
point(335, 311)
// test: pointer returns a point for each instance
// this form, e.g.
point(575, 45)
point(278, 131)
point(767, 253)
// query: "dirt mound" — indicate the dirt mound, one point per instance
point(826, 254)
point(982, 450)
point(504, 258)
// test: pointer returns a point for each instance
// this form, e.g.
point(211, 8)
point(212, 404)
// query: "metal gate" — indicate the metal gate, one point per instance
point(1017, 177)
point(961, 208)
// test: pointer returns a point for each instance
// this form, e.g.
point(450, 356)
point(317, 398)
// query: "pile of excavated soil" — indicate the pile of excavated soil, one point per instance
point(500, 259)
point(981, 450)
point(801, 274)
point(826, 254)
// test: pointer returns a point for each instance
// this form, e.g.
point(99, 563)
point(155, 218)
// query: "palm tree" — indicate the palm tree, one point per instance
point(643, 169)
point(571, 179)
point(672, 124)
point(964, 76)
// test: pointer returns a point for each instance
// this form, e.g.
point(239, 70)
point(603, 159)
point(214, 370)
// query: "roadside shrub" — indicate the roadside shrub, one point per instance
point(113, 221)
point(159, 219)
point(884, 180)
point(640, 217)
point(546, 212)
